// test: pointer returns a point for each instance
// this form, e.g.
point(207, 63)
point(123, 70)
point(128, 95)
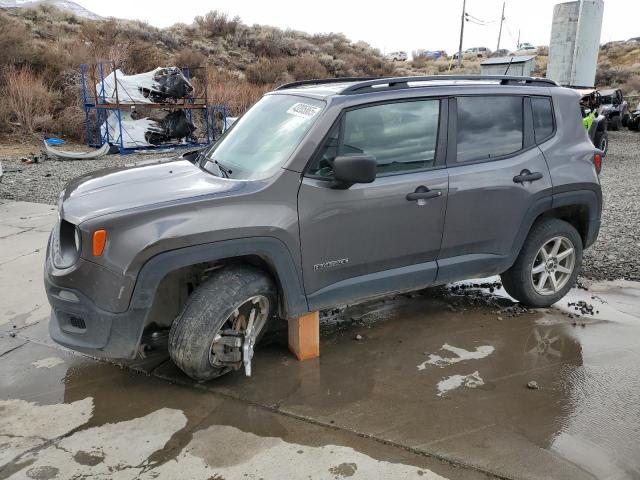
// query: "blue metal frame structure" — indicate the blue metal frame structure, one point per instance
point(97, 110)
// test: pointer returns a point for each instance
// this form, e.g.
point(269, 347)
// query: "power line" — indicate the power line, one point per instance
point(476, 23)
point(478, 19)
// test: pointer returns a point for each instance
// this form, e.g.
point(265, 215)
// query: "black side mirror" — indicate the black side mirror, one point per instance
point(350, 169)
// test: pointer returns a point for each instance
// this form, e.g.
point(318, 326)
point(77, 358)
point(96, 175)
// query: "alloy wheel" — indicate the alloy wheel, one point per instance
point(553, 265)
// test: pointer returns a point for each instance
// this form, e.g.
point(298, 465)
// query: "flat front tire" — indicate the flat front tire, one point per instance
point(548, 264)
point(225, 301)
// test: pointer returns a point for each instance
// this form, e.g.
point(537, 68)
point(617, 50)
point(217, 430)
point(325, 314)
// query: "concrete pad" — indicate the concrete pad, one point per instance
point(27, 242)
point(8, 230)
point(8, 344)
point(38, 332)
point(125, 422)
point(23, 297)
point(28, 215)
point(22, 256)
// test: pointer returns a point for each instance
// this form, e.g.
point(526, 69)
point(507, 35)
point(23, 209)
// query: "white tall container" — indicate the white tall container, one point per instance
point(575, 42)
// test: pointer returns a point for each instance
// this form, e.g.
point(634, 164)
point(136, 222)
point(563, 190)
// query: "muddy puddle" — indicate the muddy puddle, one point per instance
point(455, 382)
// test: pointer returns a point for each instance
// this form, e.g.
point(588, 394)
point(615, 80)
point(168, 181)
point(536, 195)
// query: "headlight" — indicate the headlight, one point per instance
point(67, 244)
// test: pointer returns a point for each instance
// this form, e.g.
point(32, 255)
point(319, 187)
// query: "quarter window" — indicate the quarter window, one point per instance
point(488, 127)
point(542, 117)
point(401, 136)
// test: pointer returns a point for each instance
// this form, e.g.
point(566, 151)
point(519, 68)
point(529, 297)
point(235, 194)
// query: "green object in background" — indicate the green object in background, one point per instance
point(588, 120)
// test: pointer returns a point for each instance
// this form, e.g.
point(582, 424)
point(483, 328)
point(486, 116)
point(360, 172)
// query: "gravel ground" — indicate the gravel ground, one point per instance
point(616, 254)
point(41, 182)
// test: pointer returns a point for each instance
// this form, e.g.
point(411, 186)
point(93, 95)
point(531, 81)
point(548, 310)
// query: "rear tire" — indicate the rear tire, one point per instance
point(529, 287)
point(601, 141)
point(210, 308)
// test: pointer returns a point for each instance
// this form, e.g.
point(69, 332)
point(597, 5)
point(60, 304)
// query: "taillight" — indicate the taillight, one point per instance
point(597, 161)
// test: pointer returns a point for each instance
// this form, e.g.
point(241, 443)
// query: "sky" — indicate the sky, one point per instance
point(408, 25)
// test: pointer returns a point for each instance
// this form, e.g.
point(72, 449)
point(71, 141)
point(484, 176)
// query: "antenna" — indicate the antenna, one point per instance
point(508, 66)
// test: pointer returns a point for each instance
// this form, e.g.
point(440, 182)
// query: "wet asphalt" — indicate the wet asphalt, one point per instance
point(435, 384)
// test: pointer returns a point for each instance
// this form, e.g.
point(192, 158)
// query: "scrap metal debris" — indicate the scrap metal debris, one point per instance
point(157, 86)
point(140, 131)
point(67, 155)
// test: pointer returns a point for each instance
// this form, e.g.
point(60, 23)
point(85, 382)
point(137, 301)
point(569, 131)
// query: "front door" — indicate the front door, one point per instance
point(372, 238)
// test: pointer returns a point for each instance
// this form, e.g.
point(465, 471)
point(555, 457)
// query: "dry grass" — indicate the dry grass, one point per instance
point(29, 100)
point(233, 91)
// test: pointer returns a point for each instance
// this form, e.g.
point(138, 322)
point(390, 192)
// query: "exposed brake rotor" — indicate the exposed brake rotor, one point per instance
point(233, 347)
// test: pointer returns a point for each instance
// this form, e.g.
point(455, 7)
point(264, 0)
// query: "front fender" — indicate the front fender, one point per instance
point(273, 251)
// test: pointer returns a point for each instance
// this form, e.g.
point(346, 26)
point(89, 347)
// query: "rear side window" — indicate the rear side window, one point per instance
point(401, 136)
point(542, 117)
point(488, 127)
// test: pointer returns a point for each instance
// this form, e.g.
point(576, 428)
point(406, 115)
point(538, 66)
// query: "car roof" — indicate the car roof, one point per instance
point(350, 86)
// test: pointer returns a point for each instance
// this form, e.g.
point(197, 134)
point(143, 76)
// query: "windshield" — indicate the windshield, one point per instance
point(263, 138)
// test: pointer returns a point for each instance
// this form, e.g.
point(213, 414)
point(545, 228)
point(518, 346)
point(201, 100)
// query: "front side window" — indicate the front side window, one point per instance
point(542, 117)
point(489, 127)
point(401, 136)
point(263, 138)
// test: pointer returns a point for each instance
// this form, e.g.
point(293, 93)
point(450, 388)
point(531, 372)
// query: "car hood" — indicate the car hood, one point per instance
point(112, 190)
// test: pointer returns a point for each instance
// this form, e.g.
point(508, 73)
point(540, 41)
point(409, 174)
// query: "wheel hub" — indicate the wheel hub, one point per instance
point(551, 265)
point(233, 345)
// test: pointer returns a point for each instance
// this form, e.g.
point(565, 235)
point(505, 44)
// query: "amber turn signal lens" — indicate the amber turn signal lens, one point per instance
point(99, 241)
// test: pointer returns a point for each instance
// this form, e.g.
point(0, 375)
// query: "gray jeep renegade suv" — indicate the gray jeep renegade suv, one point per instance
point(324, 193)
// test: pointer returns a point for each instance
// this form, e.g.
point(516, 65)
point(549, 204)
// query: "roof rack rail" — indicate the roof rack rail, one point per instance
point(403, 82)
point(322, 81)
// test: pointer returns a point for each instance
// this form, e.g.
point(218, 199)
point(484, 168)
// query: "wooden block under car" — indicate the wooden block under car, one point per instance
point(304, 336)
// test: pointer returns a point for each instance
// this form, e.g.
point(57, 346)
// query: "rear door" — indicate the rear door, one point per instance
point(496, 175)
point(371, 238)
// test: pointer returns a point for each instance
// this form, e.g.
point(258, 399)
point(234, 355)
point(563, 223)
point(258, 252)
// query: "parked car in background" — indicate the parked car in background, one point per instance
point(526, 49)
point(634, 119)
point(399, 56)
point(325, 193)
point(614, 107)
point(474, 52)
point(434, 54)
point(501, 52)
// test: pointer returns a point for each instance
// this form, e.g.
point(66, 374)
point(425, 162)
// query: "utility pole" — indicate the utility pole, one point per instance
point(518, 44)
point(500, 31)
point(464, 5)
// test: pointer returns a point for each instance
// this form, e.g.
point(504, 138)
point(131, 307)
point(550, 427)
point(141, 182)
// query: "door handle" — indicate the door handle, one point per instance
point(423, 193)
point(527, 176)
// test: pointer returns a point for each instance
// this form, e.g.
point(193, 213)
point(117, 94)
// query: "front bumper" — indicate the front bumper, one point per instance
point(77, 323)
point(90, 308)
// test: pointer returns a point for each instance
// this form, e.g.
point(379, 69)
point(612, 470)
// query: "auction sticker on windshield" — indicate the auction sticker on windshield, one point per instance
point(303, 110)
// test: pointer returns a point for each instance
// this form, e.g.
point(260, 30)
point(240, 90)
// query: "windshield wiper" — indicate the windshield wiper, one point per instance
point(224, 170)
